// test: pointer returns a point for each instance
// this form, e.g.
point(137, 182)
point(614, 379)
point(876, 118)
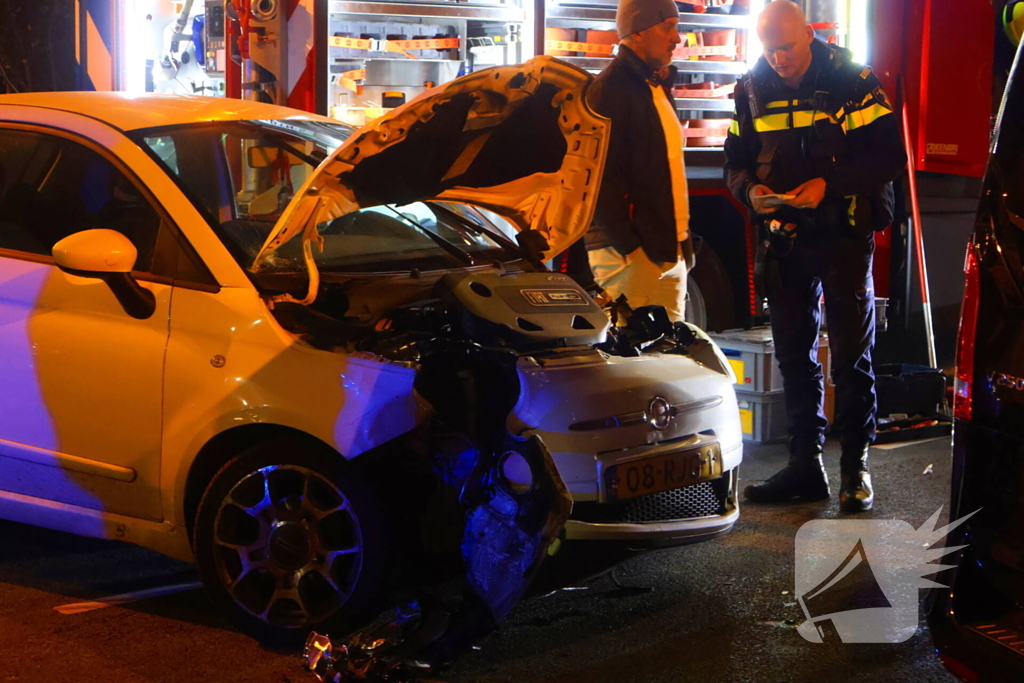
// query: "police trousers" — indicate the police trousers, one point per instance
point(839, 268)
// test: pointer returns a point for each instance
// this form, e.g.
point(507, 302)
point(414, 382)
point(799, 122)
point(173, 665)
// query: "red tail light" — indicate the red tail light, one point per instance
point(960, 670)
point(968, 333)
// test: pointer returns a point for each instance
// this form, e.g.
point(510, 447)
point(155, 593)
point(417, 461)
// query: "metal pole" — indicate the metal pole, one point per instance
point(918, 236)
point(539, 22)
point(82, 43)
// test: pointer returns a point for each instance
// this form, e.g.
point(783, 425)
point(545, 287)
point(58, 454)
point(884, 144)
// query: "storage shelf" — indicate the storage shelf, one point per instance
point(685, 18)
point(688, 66)
point(450, 10)
point(342, 64)
point(704, 104)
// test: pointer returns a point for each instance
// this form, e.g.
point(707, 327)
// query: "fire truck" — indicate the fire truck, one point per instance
point(353, 59)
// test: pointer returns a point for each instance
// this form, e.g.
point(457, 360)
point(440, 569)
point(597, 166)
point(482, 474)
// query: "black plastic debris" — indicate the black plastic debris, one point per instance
point(506, 525)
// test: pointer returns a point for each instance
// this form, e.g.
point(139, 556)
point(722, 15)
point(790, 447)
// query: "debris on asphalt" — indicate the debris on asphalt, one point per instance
point(928, 470)
point(622, 591)
point(786, 623)
point(379, 652)
point(123, 598)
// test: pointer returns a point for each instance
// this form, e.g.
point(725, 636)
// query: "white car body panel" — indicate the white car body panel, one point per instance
point(269, 377)
point(80, 414)
point(88, 376)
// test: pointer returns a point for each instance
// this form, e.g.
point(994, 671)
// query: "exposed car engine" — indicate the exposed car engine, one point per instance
point(528, 313)
point(519, 311)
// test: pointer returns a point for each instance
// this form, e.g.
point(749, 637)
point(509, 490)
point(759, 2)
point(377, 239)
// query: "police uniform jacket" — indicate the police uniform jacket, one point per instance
point(838, 125)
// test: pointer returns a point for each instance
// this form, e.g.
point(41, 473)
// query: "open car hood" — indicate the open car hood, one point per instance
point(518, 140)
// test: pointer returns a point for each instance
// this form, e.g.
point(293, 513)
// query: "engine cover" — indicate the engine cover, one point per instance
point(525, 310)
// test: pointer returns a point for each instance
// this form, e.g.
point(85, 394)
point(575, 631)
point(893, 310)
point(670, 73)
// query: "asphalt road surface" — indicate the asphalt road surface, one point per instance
point(717, 611)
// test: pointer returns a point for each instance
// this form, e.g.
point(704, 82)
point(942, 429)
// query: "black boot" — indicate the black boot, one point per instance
point(804, 478)
point(855, 493)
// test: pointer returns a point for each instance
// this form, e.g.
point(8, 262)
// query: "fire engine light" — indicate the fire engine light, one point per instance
point(858, 34)
point(133, 63)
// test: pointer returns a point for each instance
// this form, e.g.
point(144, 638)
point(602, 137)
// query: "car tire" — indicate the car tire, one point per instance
point(289, 539)
point(714, 290)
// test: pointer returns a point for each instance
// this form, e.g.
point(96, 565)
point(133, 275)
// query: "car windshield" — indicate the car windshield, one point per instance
point(242, 175)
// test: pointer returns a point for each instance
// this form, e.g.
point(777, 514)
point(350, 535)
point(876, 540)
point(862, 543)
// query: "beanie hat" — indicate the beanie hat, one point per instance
point(637, 15)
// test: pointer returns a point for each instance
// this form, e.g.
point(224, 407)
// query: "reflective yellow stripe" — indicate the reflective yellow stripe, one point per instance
point(801, 119)
point(734, 127)
point(852, 209)
point(862, 117)
point(770, 122)
point(781, 103)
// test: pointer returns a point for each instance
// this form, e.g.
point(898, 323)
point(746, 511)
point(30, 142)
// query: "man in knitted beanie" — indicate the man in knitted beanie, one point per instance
point(641, 223)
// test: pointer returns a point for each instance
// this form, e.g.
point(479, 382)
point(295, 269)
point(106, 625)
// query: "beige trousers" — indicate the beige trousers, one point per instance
point(643, 281)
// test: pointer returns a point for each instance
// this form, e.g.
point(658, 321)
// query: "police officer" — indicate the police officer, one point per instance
point(815, 128)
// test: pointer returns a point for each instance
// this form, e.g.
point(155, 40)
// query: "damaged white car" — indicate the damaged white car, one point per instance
point(246, 336)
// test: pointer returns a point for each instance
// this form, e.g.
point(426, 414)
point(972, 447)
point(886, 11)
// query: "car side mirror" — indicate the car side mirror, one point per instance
point(109, 256)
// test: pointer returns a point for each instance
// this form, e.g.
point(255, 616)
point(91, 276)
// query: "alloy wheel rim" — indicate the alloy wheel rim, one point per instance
point(287, 545)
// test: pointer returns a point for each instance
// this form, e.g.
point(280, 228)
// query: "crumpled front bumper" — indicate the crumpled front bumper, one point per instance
point(590, 412)
point(665, 532)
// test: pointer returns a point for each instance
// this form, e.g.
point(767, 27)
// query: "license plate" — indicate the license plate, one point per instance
point(663, 472)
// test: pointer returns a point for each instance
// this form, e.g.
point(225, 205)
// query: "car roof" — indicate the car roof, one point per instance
point(128, 111)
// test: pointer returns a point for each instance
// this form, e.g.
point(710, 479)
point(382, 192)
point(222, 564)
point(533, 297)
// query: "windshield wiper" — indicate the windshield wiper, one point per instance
point(495, 235)
point(452, 249)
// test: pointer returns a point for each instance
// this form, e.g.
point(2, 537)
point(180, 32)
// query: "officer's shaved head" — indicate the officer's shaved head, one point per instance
point(786, 39)
point(781, 10)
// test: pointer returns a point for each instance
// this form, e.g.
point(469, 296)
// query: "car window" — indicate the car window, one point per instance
point(387, 238)
point(51, 187)
point(242, 175)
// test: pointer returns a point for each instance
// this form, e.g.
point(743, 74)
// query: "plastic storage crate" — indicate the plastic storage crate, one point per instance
point(762, 416)
point(751, 353)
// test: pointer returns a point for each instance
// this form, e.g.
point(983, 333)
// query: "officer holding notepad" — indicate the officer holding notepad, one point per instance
point(813, 148)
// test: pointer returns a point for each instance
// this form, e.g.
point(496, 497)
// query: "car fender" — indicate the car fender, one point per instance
point(230, 364)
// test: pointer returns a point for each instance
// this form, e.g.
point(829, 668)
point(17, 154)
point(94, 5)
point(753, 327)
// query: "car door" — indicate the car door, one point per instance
point(80, 404)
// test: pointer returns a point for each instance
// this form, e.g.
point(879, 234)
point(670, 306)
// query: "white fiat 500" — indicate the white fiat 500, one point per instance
point(213, 313)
